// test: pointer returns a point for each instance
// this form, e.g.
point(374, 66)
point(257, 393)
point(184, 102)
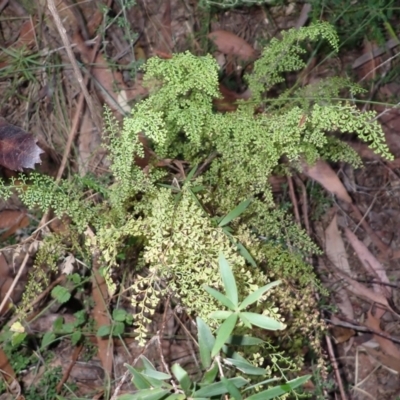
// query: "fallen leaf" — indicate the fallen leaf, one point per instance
point(384, 359)
point(364, 292)
point(326, 176)
point(334, 247)
point(110, 84)
point(337, 254)
point(67, 266)
point(370, 263)
point(229, 98)
point(386, 345)
point(18, 149)
point(342, 334)
point(6, 370)
point(11, 221)
point(231, 44)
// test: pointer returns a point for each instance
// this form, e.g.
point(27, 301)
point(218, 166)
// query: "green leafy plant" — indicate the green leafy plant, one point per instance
point(120, 319)
point(218, 360)
point(221, 203)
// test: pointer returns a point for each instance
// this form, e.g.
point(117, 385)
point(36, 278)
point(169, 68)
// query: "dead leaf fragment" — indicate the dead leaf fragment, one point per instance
point(11, 221)
point(231, 44)
point(384, 359)
point(18, 149)
point(386, 345)
point(370, 263)
point(326, 176)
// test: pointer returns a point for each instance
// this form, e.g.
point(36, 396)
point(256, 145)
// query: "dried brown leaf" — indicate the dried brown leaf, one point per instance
point(370, 263)
point(335, 249)
point(364, 292)
point(324, 175)
point(384, 359)
point(11, 221)
point(231, 44)
point(18, 149)
point(386, 345)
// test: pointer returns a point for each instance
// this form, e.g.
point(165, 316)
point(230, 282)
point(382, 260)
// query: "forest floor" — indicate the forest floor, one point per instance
point(51, 50)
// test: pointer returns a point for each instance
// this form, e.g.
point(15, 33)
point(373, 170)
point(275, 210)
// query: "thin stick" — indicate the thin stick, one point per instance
point(292, 195)
point(335, 367)
point(17, 277)
point(84, 93)
point(72, 59)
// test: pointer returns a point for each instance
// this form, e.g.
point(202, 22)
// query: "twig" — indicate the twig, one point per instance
point(304, 204)
point(66, 374)
point(335, 367)
point(71, 56)
point(292, 195)
point(82, 95)
point(17, 277)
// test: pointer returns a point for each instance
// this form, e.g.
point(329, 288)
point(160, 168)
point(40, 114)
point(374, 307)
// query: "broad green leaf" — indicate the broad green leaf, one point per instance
point(263, 321)
point(280, 390)
point(246, 255)
point(228, 279)
point(245, 367)
point(233, 391)
point(245, 321)
point(154, 377)
point(17, 338)
point(210, 375)
point(118, 328)
point(218, 388)
point(138, 379)
point(61, 294)
point(48, 338)
point(224, 331)
point(183, 378)
point(176, 396)
point(198, 188)
point(206, 342)
point(239, 340)
point(119, 315)
point(232, 354)
point(161, 376)
point(146, 394)
point(220, 314)
point(174, 188)
point(266, 382)
point(58, 324)
point(197, 201)
point(235, 212)
point(253, 297)
point(69, 327)
point(76, 337)
point(104, 330)
point(220, 297)
point(191, 174)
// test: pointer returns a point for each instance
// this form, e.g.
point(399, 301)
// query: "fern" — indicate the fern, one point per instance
point(177, 235)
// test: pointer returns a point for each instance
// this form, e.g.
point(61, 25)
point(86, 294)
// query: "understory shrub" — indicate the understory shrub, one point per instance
point(224, 202)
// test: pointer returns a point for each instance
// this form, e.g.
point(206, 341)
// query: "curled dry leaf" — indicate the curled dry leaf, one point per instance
point(386, 345)
point(326, 176)
point(18, 149)
point(11, 221)
point(231, 44)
